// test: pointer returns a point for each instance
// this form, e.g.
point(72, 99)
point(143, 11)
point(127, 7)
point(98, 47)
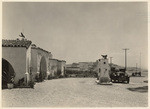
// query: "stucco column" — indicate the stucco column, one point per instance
point(38, 73)
point(27, 78)
point(38, 70)
point(28, 64)
point(38, 64)
point(62, 71)
point(27, 72)
point(48, 73)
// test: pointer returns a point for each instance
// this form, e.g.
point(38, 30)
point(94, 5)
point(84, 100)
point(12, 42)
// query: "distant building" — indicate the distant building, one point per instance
point(61, 67)
point(85, 66)
point(73, 68)
point(82, 66)
point(75, 65)
point(58, 67)
point(53, 67)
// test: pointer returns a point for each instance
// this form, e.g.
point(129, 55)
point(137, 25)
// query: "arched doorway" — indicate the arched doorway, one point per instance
point(43, 69)
point(8, 73)
point(64, 72)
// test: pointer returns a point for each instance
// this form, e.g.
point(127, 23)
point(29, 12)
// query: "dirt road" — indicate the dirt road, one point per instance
point(78, 92)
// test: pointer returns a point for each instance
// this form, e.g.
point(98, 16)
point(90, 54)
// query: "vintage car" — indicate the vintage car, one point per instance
point(120, 76)
point(136, 73)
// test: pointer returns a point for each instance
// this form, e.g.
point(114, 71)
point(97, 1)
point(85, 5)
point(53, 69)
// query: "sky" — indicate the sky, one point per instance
point(82, 31)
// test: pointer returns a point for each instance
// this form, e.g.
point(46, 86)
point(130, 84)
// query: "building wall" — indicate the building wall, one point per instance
point(63, 68)
point(16, 56)
point(73, 68)
point(28, 65)
point(84, 66)
point(36, 55)
point(34, 63)
point(59, 67)
point(53, 67)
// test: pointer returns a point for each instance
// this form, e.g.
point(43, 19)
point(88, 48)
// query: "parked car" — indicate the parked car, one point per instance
point(120, 76)
point(136, 74)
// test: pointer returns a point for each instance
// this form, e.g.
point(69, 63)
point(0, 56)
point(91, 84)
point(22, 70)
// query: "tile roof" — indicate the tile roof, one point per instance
point(58, 60)
point(33, 46)
point(53, 59)
point(63, 60)
point(16, 43)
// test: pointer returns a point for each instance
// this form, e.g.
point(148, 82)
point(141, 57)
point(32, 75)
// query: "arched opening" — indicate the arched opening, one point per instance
point(8, 73)
point(43, 69)
point(64, 70)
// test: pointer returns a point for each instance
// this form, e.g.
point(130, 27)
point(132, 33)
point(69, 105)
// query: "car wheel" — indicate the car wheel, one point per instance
point(128, 80)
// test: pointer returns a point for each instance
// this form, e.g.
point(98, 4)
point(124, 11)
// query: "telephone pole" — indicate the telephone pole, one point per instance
point(125, 49)
point(136, 68)
point(140, 61)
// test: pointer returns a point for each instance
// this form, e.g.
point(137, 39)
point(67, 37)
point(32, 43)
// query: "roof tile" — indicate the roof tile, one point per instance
point(16, 43)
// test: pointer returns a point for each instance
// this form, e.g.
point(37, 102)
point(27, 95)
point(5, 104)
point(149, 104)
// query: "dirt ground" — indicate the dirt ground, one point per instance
point(78, 92)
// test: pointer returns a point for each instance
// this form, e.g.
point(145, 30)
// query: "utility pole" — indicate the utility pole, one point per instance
point(136, 68)
point(125, 49)
point(140, 61)
point(140, 65)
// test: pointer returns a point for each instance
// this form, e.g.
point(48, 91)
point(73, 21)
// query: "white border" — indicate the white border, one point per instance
point(79, 1)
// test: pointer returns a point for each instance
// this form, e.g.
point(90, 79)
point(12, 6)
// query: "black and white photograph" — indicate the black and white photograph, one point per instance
point(74, 54)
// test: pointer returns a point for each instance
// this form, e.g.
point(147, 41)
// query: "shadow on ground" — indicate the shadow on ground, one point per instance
point(137, 76)
point(146, 81)
point(139, 89)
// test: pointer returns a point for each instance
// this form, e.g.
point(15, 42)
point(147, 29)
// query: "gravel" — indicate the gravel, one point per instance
point(78, 92)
